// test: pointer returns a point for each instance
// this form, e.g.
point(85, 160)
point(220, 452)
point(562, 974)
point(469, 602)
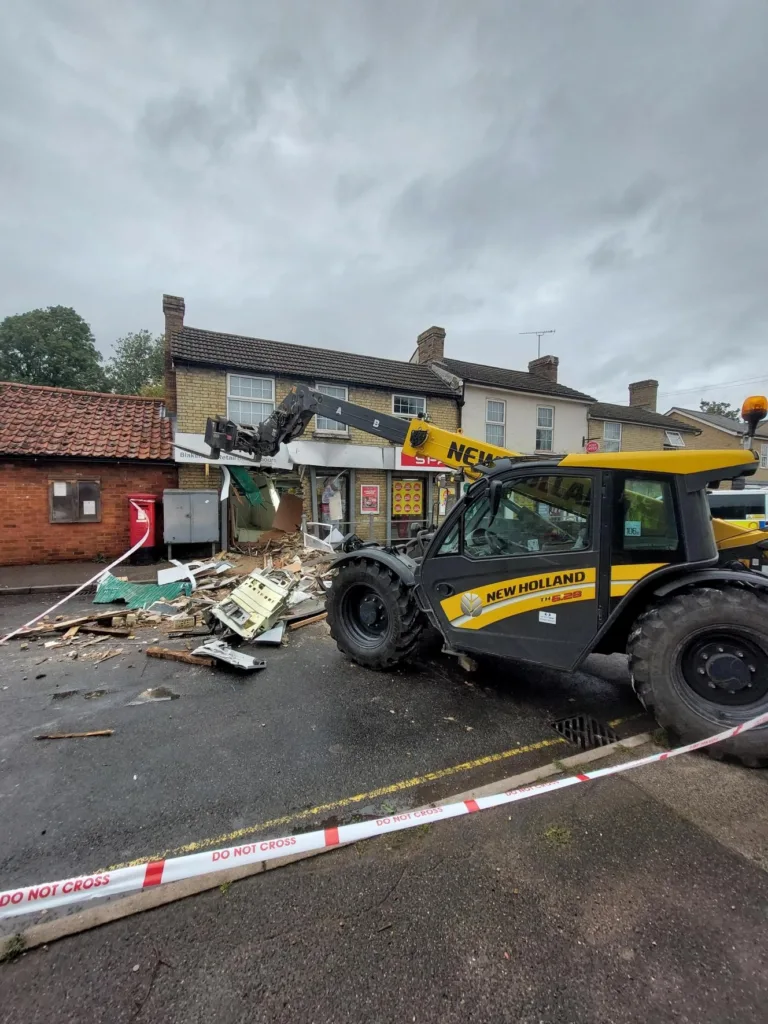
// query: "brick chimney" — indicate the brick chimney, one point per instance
point(173, 310)
point(545, 366)
point(430, 345)
point(643, 394)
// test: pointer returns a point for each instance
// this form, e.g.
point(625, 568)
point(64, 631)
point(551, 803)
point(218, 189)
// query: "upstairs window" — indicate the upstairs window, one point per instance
point(408, 406)
point(545, 428)
point(495, 416)
point(250, 399)
point(611, 437)
point(673, 439)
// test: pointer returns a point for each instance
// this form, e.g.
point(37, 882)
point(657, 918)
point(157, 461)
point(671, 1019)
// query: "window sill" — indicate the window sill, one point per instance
point(341, 435)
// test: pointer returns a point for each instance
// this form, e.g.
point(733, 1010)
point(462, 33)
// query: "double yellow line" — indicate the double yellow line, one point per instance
point(349, 801)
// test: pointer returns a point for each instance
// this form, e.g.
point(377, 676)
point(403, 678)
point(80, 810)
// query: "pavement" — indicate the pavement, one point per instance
point(63, 576)
point(601, 904)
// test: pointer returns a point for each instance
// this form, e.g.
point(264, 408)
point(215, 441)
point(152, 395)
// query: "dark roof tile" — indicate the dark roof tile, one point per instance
point(514, 380)
point(231, 351)
point(636, 414)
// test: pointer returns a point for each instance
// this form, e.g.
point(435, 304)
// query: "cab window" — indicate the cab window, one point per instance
point(536, 515)
point(645, 522)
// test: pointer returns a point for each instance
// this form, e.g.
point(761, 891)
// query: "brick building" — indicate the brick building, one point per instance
point(211, 374)
point(717, 431)
point(637, 426)
point(68, 461)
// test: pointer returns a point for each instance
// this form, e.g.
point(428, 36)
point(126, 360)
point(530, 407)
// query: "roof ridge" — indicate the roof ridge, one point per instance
point(77, 391)
point(295, 344)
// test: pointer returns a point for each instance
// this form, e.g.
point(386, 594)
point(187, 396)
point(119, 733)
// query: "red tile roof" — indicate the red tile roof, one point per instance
point(85, 424)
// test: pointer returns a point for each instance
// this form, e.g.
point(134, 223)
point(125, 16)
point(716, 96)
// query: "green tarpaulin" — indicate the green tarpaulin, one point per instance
point(246, 485)
point(137, 595)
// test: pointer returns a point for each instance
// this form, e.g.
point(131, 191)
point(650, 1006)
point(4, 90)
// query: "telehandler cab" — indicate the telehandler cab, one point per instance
point(550, 560)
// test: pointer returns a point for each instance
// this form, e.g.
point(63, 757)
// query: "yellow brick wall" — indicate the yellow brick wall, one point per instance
point(201, 393)
point(193, 478)
point(634, 438)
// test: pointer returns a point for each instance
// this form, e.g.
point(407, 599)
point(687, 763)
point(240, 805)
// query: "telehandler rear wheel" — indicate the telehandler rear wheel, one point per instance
point(699, 663)
point(372, 614)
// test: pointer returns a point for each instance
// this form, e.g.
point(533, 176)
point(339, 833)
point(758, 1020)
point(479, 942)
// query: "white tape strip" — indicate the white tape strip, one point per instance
point(14, 902)
point(142, 514)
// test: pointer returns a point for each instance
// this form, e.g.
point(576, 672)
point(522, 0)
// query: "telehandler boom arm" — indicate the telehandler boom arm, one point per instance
point(291, 418)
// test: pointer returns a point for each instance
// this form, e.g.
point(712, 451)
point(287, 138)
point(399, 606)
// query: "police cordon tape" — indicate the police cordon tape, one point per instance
point(142, 516)
point(32, 898)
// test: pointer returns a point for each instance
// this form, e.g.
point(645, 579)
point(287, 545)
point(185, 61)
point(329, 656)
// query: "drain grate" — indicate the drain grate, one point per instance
point(585, 732)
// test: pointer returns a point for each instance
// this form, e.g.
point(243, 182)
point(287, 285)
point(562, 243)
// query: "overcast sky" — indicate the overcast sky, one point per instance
point(347, 173)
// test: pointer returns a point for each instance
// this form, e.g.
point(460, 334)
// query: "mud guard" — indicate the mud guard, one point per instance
point(403, 566)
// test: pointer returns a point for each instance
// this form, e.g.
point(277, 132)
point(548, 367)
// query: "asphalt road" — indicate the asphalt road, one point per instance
point(234, 752)
point(610, 903)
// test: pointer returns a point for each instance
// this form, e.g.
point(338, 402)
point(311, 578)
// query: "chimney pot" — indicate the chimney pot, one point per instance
point(430, 345)
point(546, 367)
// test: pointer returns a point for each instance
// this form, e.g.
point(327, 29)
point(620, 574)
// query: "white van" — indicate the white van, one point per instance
point(748, 507)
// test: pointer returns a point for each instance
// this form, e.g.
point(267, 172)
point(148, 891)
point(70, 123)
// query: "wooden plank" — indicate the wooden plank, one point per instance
point(185, 656)
point(308, 622)
point(55, 627)
point(104, 630)
point(71, 632)
point(73, 735)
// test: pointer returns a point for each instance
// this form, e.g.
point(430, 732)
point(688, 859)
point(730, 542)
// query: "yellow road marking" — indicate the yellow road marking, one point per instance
point(395, 787)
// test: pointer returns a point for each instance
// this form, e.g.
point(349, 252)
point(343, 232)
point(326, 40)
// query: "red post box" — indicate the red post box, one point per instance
point(142, 511)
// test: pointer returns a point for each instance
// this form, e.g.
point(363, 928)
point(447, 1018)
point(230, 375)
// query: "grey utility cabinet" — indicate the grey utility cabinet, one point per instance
point(190, 517)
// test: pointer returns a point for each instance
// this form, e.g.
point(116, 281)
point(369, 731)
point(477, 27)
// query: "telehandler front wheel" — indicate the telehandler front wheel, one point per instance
point(372, 614)
point(699, 664)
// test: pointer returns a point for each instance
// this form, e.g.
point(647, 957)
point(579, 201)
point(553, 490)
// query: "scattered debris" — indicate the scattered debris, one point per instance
point(71, 633)
point(94, 694)
point(223, 652)
point(103, 630)
point(306, 610)
point(63, 694)
point(162, 608)
point(185, 656)
point(156, 693)
point(272, 636)
point(108, 654)
point(74, 735)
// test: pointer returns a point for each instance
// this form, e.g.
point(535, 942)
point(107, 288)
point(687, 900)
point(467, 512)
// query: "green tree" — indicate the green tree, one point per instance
point(52, 346)
point(136, 368)
point(720, 409)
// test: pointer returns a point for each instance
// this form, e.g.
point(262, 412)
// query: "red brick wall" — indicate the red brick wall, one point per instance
point(28, 537)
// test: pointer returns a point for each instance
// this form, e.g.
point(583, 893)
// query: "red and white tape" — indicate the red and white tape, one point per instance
point(142, 517)
point(32, 898)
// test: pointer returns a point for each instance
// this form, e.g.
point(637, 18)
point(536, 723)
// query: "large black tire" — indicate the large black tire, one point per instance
point(699, 664)
point(372, 614)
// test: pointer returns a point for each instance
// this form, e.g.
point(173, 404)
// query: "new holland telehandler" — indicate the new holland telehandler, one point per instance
point(550, 560)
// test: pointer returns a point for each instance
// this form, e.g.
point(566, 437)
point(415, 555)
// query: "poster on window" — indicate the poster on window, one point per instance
point(369, 499)
point(407, 498)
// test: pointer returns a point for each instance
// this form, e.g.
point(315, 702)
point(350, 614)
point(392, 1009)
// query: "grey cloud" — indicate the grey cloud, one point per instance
point(346, 174)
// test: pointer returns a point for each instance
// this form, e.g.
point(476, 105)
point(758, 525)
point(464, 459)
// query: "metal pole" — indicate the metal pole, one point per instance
point(389, 506)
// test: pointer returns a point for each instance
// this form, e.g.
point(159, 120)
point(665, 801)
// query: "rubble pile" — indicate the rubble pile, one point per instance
point(244, 597)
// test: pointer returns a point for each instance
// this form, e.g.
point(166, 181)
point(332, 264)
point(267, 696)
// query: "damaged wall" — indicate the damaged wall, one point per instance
point(28, 537)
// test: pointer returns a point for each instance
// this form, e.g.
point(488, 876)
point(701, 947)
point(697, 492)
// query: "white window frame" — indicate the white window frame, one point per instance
point(340, 429)
point(668, 442)
point(404, 415)
point(764, 456)
point(238, 398)
point(539, 427)
point(609, 442)
point(496, 423)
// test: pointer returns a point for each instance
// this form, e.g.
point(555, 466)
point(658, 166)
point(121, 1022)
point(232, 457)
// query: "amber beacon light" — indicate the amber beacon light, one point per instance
point(754, 409)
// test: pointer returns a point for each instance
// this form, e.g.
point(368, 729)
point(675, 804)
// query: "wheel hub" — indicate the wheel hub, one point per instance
point(371, 610)
point(726, 669)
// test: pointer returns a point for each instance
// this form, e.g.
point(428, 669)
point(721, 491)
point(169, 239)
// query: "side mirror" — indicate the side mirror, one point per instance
point(495, 497)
